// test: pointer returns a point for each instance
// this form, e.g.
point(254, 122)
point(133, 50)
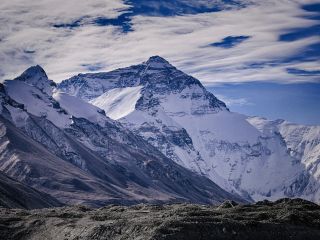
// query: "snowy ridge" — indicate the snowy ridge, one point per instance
point(37, 102)
point(39, 98)
point(80, 109)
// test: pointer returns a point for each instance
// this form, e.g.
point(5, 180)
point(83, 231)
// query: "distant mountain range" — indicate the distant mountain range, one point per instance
point(148, 133)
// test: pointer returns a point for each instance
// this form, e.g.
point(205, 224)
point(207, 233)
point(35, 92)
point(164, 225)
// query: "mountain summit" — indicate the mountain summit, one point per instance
point(176, 114)
point(157, 62)
point(156, 75)
point(34, 72)
point(37, 77)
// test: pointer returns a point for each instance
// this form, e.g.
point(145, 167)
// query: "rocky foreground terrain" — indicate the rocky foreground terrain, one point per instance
point(283, 219)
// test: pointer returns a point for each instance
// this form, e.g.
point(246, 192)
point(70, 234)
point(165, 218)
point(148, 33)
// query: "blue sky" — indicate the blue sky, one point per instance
point(234, 45)
point(298, 103)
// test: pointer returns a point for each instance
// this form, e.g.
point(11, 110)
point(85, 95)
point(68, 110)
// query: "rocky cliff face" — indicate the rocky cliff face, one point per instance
point(177, 115)
point(70, 149)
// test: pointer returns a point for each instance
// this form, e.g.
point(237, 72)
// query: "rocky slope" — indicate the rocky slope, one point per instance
point(178, 116)
point(68, 148)
point(283, 219)
point(14, 194)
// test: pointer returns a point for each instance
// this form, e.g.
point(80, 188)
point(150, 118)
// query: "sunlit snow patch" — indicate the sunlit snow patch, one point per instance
point(118, 102)
point(78, 108)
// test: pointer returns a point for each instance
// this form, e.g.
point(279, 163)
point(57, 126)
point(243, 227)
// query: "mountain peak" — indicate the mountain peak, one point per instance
point(37, 77)
point(158, 62)
point(33, 72)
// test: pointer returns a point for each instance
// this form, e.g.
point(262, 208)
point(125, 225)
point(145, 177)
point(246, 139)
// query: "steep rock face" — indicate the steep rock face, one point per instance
point(14, 194)
point(175, 113)
point(70, 149)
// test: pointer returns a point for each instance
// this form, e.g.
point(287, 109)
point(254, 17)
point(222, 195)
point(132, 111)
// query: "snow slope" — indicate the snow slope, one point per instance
point(123, 101)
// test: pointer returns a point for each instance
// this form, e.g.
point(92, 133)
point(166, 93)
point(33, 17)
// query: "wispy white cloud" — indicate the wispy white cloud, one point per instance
point(230, 102)
point(27, 37)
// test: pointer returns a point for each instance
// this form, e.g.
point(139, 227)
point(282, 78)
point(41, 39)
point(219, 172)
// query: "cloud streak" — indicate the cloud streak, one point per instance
point(28, 36)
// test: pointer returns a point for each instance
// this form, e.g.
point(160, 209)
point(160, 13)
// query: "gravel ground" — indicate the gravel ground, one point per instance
point(283, 219)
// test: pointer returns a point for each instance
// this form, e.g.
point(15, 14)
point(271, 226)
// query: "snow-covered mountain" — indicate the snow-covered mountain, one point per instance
point(256, 158)
point(66, 147)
